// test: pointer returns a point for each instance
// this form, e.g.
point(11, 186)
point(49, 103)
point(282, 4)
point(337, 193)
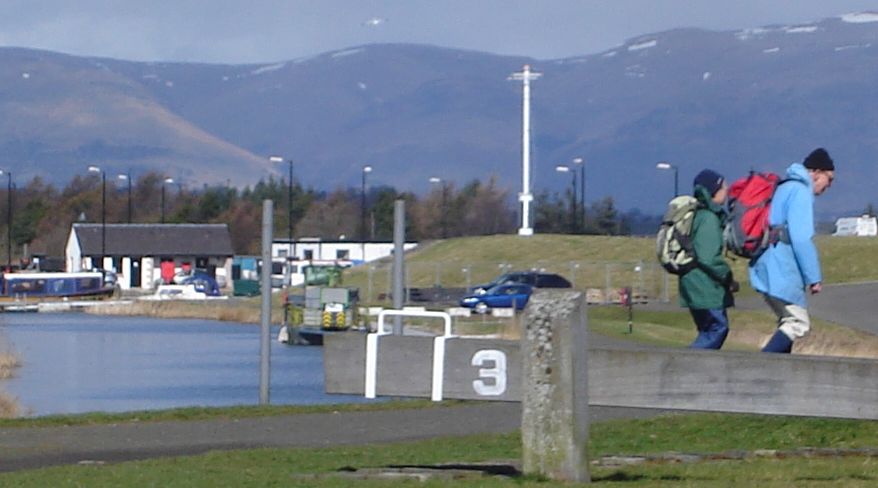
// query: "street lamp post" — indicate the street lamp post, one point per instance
point(97, 169)
point(366, 170)
point(164, 182)
point(292, 250)
point(561, 168)
point(581, 163)
point(8, 218)
point(127, 177)
point(666, 165)
point(444, 219)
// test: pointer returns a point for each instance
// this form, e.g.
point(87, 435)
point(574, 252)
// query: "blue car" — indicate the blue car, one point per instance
point(500, 296)
point(204, 283)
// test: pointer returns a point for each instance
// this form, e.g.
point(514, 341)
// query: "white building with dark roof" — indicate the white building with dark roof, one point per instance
point(145, 254)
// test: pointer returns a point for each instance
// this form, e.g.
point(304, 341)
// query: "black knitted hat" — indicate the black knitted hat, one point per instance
point(710, 180)
point(819, 159)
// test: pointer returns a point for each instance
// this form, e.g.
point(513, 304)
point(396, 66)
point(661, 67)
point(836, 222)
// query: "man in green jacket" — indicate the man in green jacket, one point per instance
point(707, 289)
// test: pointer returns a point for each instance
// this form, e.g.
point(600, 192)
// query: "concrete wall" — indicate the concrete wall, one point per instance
point(653, 378)
point(476, 369)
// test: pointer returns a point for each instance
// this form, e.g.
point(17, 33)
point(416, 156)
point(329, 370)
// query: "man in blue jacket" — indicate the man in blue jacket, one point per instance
point(791, 264)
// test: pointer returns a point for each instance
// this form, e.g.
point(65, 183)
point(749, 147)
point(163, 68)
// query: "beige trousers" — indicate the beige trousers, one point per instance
point(792, 319)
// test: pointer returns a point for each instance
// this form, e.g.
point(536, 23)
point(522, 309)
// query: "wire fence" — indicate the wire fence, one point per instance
point(603, 282)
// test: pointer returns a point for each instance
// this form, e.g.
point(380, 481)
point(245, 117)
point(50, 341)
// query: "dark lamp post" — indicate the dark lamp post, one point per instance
point(664, 165)
point(166, 181)
point(97, 169)
point(292, 251)
point(567, 169)
point(581, 163)
point(8, 218)
point(127, 178)
point(444, 219)
point(366, 170)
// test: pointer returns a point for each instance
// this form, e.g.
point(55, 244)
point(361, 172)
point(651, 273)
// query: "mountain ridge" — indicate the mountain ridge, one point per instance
point(733, 100)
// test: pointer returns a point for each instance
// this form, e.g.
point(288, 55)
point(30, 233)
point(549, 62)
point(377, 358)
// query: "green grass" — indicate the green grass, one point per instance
point(691, 433)
point(848, 259)
point(214, 413)
point(668, 329)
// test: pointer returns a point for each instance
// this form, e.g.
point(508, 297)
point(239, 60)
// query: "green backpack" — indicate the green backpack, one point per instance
point(673, 244)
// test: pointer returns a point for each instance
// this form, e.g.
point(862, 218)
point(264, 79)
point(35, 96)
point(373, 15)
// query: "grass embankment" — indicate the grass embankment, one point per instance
point(752, 440)
point(588, 261)
point(749, 330)
point(243, 310)
point(8, 406)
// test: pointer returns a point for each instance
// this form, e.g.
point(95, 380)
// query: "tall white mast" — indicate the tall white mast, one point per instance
point(525, 197)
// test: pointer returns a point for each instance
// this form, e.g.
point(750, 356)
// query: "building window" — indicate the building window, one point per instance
point(342, 254)
point(309, 254)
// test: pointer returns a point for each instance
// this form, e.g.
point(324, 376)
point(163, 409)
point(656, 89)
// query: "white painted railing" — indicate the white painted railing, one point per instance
point(438, 349)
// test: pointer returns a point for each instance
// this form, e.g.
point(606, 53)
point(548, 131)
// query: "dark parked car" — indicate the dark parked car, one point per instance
point(500, 296)
point(533, 278)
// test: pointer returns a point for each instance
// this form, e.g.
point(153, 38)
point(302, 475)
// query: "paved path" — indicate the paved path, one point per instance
point(28, 448)
point(854, 305)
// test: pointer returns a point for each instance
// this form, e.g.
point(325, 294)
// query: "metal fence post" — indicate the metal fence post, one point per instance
point(390, 282)
point(607, 283)
point(400, 270)
point(370, 271)
point(666, 293)
point(265, 331)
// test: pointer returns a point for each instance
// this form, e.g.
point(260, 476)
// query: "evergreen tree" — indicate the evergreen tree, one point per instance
point(606, 217)
point(550, 214)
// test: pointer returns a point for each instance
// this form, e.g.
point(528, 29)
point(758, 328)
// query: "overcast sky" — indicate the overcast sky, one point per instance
point(256, 31)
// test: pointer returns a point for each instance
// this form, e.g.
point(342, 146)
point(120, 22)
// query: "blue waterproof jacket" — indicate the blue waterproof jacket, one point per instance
point(785, 269)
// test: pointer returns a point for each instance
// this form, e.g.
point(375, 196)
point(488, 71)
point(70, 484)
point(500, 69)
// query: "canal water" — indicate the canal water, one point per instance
point(77, 362)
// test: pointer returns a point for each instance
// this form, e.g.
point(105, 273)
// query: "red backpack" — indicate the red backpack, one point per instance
point(747, 233)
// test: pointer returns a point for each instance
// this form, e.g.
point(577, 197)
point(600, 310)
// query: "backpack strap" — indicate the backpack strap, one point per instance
point(781, 232)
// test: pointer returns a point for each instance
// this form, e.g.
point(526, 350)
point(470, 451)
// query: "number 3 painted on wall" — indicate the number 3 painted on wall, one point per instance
point(498, 372)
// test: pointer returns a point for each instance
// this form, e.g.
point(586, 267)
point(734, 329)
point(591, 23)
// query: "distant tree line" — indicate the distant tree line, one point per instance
point(42, 214)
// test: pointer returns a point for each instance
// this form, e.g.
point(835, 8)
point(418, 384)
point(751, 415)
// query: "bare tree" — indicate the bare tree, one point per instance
point(331, 218)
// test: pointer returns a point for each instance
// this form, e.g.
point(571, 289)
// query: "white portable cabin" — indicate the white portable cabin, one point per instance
point(864, 226)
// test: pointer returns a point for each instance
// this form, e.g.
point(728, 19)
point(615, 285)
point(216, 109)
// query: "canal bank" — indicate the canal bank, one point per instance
point(235, 309)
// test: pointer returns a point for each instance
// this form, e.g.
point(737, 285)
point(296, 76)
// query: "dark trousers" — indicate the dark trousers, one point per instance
point(713, 327)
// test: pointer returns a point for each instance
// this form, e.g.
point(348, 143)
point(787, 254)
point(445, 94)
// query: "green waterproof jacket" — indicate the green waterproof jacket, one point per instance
point(707, 285)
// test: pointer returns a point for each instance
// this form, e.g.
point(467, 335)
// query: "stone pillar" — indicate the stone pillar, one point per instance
point(554, 419)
